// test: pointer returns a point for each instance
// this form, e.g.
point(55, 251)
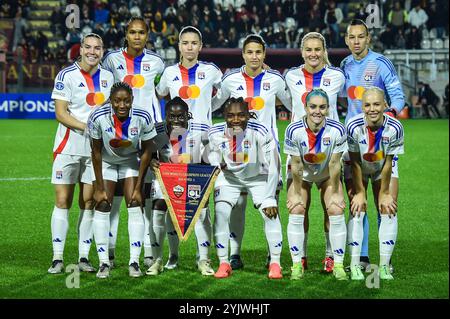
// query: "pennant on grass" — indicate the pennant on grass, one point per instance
point(186, 188)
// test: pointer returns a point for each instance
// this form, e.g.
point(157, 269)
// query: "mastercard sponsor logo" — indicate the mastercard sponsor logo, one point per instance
point(189, 92)
point(116, 143)
point(95, 98)
point(355, 92)
point(373, 157)
point(315, 158)
point(135, 81)
point(255, 103)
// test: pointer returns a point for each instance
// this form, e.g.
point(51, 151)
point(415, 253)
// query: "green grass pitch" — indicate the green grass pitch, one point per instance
point(26, 200)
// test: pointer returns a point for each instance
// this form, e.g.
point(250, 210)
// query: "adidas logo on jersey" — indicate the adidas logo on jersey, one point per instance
point(303, 144)
point(176, 78)
point(81, 85)
point(299, 82)
point(240, 88)
point(363, 142)
point(120, 67)
point(109, 129)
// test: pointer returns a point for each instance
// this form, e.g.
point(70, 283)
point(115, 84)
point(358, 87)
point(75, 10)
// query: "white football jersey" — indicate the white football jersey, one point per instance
point(194, 85)
point(261, 92)
point(121, 140)
point(300, 82)
point(315, 149)
point(182, 147)
point(84, 92)
point(374, 146)
point(140, 73)
point(246, 155)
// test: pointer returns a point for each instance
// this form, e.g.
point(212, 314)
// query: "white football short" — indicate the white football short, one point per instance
point(115, 172)
point(374, 177)
point(228, 188)
point(72, 169)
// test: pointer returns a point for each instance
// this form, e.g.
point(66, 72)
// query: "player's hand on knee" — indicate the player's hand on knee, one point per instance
point(99, 198)
point(103, 206)
point(297, 207)
point(387, 204)
point(154, 164)
point(136, 199)
point(271, 212)
point(358, 204)
point(336, 204)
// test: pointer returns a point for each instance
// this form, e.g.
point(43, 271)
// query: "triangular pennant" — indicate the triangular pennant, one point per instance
point(186, 188)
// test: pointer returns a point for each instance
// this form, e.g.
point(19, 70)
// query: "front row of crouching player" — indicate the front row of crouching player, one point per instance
point(249, 159)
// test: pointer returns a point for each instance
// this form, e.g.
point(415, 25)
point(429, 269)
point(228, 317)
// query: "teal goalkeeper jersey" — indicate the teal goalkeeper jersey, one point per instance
point(373, 70)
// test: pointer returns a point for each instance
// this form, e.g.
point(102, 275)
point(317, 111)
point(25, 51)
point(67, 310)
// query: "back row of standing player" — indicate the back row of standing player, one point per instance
point(194, 81)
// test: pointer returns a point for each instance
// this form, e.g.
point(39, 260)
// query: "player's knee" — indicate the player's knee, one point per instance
point(89, 204)
point(134, 203)
point(159, 204)
point(103, 206)
point(335, 210)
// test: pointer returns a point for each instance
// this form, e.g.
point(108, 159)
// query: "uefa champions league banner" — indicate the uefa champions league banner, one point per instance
point(26, 106)
point(186, 188)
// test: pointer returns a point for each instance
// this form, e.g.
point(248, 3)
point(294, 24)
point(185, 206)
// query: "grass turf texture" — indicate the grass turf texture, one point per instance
point(420, 257)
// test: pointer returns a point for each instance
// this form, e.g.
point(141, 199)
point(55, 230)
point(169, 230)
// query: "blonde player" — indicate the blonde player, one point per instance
point(374, 138)
point(249, 158)
point(78, 89)
point(179, 140)
point(194, 81)
point(117, 132)
point(140, 68)
point(316, 144)
point(260, 88)
point(317, 72)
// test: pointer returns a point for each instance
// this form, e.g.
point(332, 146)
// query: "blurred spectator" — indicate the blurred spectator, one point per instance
point(171, 35)
point(135, 11)
point(232, 38)
point(33, 54)
point(361, 13)
point(206, 23)
point(102, 14)
point(428, 98)
point(47, 56)
point(72, 38)
point(333, 17)
point(387, 37)
point(417, 17)
point(413, 38)
point(302, 8)
point(112, 38)
point(265, 19)
point(315, 19)
point(158, 26)
point(343, 5)
point(279, 15)
point(99, 30)
point(400, 40)
point(171, 15)
point(41, 42)
point(20, 25)
point(280, 37)
point(221, 41)
point(438, 17)
point(21, 51)
point(397, 17)
point(61, 55)
point(5, 11)
point(58, 23)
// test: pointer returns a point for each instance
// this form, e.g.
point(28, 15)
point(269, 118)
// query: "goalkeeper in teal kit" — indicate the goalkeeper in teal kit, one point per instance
point(365, 68)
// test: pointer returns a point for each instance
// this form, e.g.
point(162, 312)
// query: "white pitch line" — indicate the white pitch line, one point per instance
point(13, 179)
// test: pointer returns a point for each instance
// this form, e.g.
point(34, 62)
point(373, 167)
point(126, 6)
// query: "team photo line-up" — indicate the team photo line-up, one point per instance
point(112, 137)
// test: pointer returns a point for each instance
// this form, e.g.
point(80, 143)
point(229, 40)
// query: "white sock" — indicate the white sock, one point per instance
point(355, 234)
point(85, 232)
point(387, 235)
point(136, 232)
point(272, 229)
point(159, 228)
point(296, 236)
point(328, 250)
point(222, 230)
point(237, 225)
point(338, 236)
point(149, 238)
point(172, 236)
point(59, 227)
point(101, 230)
point(203, 233)
point(305, 246)
point(114, 218)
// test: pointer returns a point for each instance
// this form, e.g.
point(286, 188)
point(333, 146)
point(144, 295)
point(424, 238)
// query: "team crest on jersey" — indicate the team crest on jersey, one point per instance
point(191, 143)
point(247, 144)
point(201, 75)
point(59, 174)
point(178, 190)
point(217, 192)
point(266, 86)
point(146, 67)
point(368, 76)
point(104, 83)
point(59, 86)
point(194, 191)
point(326, 141)
point(326, 82)
point(133, 131)
point(385, 140)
